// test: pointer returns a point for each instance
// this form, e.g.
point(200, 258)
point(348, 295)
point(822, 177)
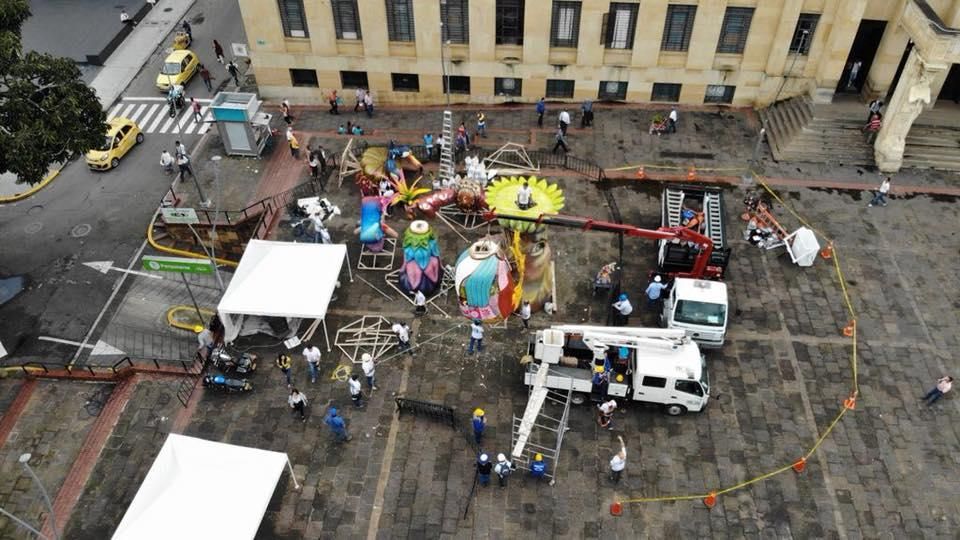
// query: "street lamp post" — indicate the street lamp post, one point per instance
point(216, 211)
point(24, 460)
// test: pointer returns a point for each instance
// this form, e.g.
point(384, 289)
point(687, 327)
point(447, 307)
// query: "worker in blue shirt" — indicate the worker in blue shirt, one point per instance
point(479, 423)
point(541, 108)
point(538, 468)
point(654, 289)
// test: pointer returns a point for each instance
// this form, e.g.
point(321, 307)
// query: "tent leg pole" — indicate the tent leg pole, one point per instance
point(325, 336)
point(292, 475)
point(346, 253)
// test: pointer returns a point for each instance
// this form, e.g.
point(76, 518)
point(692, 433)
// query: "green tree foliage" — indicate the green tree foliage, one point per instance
point(47, 114)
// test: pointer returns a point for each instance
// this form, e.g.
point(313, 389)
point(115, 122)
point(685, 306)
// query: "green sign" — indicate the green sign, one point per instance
point(177, 264)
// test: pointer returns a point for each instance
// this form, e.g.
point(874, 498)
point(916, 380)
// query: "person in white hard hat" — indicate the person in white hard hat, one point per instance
point(503, 468)
point(654, 289)
point(484, 467)
point(369, 369)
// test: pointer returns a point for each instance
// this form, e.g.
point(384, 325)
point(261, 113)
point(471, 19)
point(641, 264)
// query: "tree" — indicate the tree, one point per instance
point(47, 114)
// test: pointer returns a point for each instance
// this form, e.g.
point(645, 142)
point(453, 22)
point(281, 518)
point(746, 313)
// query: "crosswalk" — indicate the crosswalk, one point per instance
point(151, 114)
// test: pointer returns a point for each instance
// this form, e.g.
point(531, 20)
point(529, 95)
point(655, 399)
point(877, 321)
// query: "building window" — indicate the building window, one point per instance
point(509, 22)
point(718, 93)
point(676, 33)
point(620, 24)
point(565, 24)
point(507, 87)
point(353, 79)
point(613, 90)
point(304, 77)
point(665, 92)
point(803, 35)
point(455, 16)
point(458, 84)
point(559, 88)
point(346, 19)
point(400, 20)
point(293, 19)
point(405, 82)
point(733, 33)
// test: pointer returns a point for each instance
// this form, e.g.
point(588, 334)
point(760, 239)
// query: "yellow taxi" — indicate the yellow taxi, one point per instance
point(177, 69)
point(122, 135)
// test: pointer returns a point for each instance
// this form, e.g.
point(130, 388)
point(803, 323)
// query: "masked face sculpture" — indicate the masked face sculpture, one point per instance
point(422, 269)
point(483, 280)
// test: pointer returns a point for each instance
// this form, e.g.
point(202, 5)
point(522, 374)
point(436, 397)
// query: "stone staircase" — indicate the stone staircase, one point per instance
point(798, 130)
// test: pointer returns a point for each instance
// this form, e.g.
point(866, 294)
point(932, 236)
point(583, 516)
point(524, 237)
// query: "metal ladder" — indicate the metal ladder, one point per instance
point(714, 215)
point(446, 149)
point(674, 204)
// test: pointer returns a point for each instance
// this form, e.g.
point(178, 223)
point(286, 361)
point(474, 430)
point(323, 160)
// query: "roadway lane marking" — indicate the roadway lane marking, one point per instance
point(114, 111)
point(158, 99)
point(187, 117)
point(149, 115)
point(193, 125)
point(138, 112)
point(207, 121)
point(157, 120)
point(167, 125)
point(126, 112)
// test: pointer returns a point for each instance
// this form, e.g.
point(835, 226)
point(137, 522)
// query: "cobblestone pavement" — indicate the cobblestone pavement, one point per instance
point(884, 471)
point(52, 428)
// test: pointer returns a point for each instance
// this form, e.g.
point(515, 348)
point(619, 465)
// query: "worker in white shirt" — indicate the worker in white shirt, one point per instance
point(606, 413)
point(525, 196)
point(624, 309)
point(369, 370)
point(320, 233)
point(672, 119)
point(402, 331)
point(356, 390)
point(525, 313)
point(618, 462)
point(564, 121)
point(419, 303)
point(312, 355)
point(476, 336)
point(166, 161)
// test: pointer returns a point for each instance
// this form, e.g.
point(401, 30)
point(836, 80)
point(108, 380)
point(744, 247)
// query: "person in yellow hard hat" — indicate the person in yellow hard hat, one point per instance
point(538, 468)
point(479, 424)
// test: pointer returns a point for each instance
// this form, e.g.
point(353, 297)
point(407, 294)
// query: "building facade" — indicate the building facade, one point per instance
point(738, 52)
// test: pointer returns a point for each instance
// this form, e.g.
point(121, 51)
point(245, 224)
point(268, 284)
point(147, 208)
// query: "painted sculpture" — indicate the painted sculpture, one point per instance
point(484, 282)
point(379, 162)
point(534, 257)
point(372, 230)
point(422, 270)
point(466, 194)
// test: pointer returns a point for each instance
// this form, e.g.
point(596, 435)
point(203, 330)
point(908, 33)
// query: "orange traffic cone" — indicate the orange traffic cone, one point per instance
point(849, 328)
point(616, 509)
point(710, 500)
point(800, 465)
point(692, 174)
point(827, 251)
point(641, 174)
point(850, 403)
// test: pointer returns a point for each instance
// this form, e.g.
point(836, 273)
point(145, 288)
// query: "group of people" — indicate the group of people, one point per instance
point(623, 308)
point(503, 467)
point(180, 158)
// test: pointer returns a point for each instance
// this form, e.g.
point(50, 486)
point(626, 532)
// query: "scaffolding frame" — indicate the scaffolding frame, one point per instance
point(369, 334)
point(446, 283)
point(381, 261)
point(528, 433)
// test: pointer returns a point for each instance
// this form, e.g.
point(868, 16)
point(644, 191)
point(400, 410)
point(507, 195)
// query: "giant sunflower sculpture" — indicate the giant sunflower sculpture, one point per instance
point(502, 198)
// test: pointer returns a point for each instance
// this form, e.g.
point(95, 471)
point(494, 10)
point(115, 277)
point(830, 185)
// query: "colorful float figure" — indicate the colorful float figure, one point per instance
point(532, 250)
point(422, 270)
point(484, 282)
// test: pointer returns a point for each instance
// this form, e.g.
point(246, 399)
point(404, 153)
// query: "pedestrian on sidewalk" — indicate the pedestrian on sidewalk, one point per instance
point(538, 467)
point(166, 161)
point(369, 370)
point(312, 355)
point(314, 165)
point(564, 121)
point(672, 120)
point(881, 195)
point(561, 137)
point(606, 409)
point(337, 425)
point(484, 468)
point(618, 462)
point(361, 95)
point(402, 331)
point(285, 110)
point(218, 51)
point(525, 313)
point(298, 403)
point(479, 423)
point(541, 109)
point(624, 309)
point(481, 125)
point(206, 78)
point(428, 145)
point(368, 103)
point(476, 336)
point(873, 127)
point(334, 101)
point(356, 390)
point(179, 149)
point(294, 143)
point(873, 108)
point(234, 71)
point(125, 19)
point(195, 107)
point(654, 291)
point(587, 109)
point(183, 163)
point(419, 302)
point(284, 362)
point(188, 29)
point(503, 468)
point(944, 384)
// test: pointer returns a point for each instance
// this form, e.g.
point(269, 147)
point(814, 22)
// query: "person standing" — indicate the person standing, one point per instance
point(481, 125)
point(419, 303)
point(476, 336)
point(561, 137)
point(606, 413)
point(333, 99)
point(183, 163)
point(356, 390)
point(672, 120)
point(284, 363)
point(484, 468)
point(428, 145)
point(361, 95)
point(479, 423)
point(402, 331)
point(503, 468)
point(874, 108)
point(624, 309)
point(314, 165)
point(166, 161)
point(218, 51)
point(312, 355)
point(525, 313)
point(188, 29)
point(125, 19)
point(852, 77)
point(369, 370)
point(285, 110)
point(206, 78)
point(195, 107)
point(337, 425)
point(234, 71)
point(944, 385)
point(587, 109)
point(881, 195)
point(368, 103)
point(873, 127)
point(564, 121)
point(654, 290)
point(541, 110)
point(538, 467)
point(525, 196)
point(298, 403)
point(293, 142)
point(618, 462)
point(179, 149)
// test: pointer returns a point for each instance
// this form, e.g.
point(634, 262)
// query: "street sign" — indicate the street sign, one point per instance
point(180, 216)
point(177, 264)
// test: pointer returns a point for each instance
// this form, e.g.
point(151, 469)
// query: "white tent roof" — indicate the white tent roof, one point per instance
point(202, 489)
point(284, 279)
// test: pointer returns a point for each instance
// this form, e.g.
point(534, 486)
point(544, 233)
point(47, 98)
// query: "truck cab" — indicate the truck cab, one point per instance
point(698, 307)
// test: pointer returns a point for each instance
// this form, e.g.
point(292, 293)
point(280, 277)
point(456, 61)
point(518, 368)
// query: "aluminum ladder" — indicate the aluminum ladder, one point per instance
point(446, 149)
point(674, 203)
point(714, 216)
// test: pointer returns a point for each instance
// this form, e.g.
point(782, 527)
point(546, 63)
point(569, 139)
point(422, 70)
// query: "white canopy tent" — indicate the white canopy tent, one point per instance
point(282, 279)
point(203, 489)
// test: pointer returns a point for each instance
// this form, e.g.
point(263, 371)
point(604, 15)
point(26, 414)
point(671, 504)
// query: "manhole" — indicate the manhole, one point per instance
point(33, 228)
point(80, 230)
point(34, 209)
